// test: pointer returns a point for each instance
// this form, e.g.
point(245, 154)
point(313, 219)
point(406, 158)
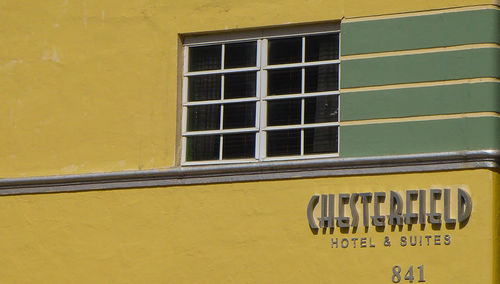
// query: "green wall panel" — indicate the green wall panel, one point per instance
point(446, 29)
point(420, 137)
point(436, 66)
point(448, 99)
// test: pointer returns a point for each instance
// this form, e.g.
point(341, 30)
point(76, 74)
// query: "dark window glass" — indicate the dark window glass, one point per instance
point(239, 115)
point(322, 78)
point(283, 143)
point(240, 55)
point(321, 109)
point(322, 47)
point(320, 140)
point(203, 147)
point(283, 112)
point(240, 85)
point(204, 88)
point(237, 146)
point(205, 58)
point(284, 81)
point(205, 117)
point(288, 50)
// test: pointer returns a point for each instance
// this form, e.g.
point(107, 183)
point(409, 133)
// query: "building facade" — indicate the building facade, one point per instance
point(206, 141)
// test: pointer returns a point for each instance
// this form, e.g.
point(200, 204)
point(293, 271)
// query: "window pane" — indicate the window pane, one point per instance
point(205, 58)
point(237, 146)
point(203, 117)
point(203, 147)
point(240, 85)
point(322, 78)
point(283, 143)
point(284, 81)
point(239, 115)
point(240, 55)
point(321, 109)
point(283, 112)
point(288, 50)
point(322, 47)
point(320, 140)
point(204, 88)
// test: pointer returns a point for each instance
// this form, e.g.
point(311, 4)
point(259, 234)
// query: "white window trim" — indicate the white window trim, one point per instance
point(261, 36)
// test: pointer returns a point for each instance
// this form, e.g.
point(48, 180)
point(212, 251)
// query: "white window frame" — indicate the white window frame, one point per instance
point(261, 99)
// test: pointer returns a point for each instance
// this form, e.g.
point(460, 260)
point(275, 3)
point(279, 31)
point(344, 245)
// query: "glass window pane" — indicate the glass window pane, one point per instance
point(288, 50)
point(240, 85)
point(283, 143)
point(203, 147)
point(321, 109)
point(238, 146)
point(283, 112)
point(205, 117)
point(322, 47)
point(322, 78)
point(320, 140)
point(284, 81)
point(205, 58)
point(240, 55)
point(239, 115)
point(204, 88)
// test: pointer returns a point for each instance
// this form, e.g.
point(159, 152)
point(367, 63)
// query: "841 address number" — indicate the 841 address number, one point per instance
point(396, 274)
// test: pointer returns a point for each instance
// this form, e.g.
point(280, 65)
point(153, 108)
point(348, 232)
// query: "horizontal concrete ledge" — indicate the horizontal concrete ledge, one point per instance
point(254, 172)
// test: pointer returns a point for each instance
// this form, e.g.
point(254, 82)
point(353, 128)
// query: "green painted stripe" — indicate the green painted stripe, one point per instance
point(446, 29)
point(420, 137)
point(436, 66)
point(448, 99)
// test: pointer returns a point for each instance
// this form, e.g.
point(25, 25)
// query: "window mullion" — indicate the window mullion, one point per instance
point(262, 141)
point(302, 115)
point(303, 49)
point(222, 56)
point(302, 91)
point(302, 142)
point(258, 105)
point(221, 119)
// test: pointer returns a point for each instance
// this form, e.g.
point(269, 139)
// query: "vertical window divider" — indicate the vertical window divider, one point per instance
point(185, 79)
point(258, 103)
point(221, 117)
point(222, 56)
point(222, 82)
point(302, 91)
point(302, 121)
point(221, 122)
point(262, 94)
point(183, 107)
point(303, 49)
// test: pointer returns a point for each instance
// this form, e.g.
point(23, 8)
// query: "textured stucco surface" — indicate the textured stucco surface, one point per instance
point(253, 232)
point(91, 86)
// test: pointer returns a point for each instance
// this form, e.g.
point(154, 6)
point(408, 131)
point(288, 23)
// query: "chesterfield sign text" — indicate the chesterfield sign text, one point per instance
point(407, 208)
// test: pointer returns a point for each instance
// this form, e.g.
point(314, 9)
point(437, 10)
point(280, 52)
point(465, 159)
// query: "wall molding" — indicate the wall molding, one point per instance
point(428, 162)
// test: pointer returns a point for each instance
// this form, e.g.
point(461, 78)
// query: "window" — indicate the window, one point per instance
point(267, 96)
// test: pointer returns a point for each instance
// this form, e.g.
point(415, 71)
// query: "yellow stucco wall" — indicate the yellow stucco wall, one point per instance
point(91, 86)
point(235, 233)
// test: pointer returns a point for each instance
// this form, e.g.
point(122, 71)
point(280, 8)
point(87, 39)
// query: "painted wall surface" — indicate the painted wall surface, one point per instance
point(239, 233)
point(91, 86)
